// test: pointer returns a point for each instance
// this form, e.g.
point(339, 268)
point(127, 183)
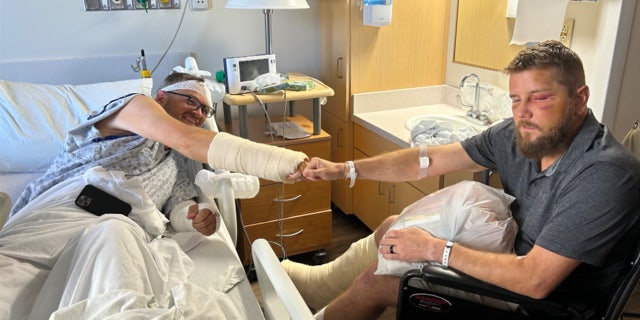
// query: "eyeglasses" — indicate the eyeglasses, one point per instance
point(195, 104)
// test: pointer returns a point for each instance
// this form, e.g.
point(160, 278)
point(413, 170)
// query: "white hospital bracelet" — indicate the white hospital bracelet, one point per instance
point(352, 173)
point(445, 254)
point(424, 161)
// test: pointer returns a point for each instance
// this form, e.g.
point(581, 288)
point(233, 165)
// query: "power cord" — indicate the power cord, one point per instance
point(280, 186)
point(175, 35)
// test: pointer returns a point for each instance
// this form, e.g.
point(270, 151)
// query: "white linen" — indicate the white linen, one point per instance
point(108, 266)
point(34, 117)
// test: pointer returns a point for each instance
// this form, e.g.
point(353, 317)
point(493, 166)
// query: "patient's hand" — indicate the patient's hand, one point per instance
point(320, 169)
point(203, 220)
point(298, 174)
point(411, 244)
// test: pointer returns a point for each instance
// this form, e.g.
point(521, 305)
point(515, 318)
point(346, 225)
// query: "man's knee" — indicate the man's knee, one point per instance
point(384, 226)
point(115, 229)
point(381, 289)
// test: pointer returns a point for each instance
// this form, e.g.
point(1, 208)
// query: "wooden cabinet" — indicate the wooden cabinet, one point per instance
point(341, 150)
point(373, 201)
point(410, 52)
point(296, 215)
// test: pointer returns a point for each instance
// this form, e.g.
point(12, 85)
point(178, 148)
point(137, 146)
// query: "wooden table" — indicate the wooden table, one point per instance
point(242, 100)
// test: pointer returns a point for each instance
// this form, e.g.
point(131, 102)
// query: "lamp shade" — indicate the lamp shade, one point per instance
point(267, 4)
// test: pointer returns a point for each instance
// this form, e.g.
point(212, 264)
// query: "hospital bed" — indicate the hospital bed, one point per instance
point(34, 120)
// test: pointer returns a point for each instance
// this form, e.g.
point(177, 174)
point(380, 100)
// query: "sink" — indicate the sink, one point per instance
point(456, 122)
point(446, 129)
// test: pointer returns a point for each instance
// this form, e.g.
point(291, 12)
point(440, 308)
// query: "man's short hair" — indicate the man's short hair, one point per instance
point(551, 54)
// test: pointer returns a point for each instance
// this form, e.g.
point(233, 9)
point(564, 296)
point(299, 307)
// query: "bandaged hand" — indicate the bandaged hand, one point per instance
point(319, 169)
point(205, 218)
point(273, 163)
point(298, 175)
point(189, 216)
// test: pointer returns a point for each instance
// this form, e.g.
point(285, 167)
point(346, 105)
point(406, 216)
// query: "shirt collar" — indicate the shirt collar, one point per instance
point(581, 142)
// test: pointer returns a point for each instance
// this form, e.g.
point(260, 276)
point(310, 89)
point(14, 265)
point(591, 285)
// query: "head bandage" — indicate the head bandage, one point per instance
point(193, 85)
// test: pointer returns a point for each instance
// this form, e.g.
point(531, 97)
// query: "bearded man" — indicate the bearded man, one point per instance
point(577, 201)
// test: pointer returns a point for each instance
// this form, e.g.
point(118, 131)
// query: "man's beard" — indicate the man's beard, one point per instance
point(554, 142)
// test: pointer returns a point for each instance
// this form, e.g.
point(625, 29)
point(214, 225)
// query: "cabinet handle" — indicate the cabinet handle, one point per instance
point(380, 192)
point(391, 198)
point(339, 67)
point(290, 234)
point(339, 139)
point(289, 199)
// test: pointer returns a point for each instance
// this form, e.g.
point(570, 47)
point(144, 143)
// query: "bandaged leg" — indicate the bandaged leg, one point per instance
point(232, 153)
point(319, 285)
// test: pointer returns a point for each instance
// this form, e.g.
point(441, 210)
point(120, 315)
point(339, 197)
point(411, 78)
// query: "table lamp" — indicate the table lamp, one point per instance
point(267, 7)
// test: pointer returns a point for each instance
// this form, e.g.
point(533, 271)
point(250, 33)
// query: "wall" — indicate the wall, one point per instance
point(628, 109)
point(601, 36)
point(62, 29)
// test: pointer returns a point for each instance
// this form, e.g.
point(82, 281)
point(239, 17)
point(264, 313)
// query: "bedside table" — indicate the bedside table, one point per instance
point(242, 100)
point(297, 215)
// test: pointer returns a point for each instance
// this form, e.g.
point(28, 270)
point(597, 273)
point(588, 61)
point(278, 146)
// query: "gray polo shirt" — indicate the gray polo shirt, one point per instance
point(586, 206)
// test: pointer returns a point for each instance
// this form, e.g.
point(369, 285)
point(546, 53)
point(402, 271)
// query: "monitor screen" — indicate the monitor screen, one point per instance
point(251, 69)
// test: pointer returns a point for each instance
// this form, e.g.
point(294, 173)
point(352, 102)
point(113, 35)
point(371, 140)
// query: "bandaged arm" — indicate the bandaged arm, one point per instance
point(236, 154)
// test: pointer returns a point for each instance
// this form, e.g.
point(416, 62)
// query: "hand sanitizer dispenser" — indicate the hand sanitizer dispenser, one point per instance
point(376, 13)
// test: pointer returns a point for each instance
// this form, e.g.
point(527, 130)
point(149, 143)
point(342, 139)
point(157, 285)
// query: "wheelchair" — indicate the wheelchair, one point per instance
point(416, 302)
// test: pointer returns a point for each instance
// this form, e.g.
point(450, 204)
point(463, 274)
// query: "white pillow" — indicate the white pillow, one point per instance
point(35, 118)
point(469, 212)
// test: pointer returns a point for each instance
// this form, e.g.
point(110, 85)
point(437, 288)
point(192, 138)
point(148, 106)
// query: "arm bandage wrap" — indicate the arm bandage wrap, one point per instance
point(423, 159)
point(233, 153)
point(178, 216)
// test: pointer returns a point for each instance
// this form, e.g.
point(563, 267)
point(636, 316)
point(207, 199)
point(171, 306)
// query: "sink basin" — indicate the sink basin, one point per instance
point(441, 128)
point(457, 122)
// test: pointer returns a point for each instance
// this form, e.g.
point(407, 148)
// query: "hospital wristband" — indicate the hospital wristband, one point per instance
point(352, 173)
point(446, 253)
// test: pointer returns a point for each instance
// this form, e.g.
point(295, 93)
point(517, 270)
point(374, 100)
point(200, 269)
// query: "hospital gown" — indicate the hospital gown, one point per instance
point(146, 161)
point(55, 256)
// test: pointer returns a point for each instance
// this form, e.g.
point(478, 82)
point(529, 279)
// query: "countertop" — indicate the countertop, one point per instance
point(390, 123)
point(386, 112)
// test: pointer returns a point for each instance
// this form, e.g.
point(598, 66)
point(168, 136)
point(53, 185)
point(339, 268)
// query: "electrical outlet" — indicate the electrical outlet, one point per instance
point(164, 4)
point(117, 5)
point(92, 5)
point(199, 4)
point(567, 32)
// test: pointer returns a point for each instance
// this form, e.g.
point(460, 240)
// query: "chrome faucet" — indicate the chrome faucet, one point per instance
point(474, 113)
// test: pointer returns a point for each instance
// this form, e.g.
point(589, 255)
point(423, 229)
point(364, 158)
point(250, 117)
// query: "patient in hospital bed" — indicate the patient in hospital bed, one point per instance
point(134, 147)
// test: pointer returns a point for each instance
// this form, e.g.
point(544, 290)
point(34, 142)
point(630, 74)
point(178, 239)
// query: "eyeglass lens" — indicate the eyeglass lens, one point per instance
point(195, 104)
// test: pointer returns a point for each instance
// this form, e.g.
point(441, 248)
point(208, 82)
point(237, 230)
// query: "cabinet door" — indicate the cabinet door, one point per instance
point(402, 195)
point(410, 52)
point(334, 59)
point(341, 150)
point(370, 199)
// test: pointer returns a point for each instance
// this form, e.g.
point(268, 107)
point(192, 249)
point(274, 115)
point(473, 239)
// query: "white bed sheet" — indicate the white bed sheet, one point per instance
point(215, 257)
point(217, 269)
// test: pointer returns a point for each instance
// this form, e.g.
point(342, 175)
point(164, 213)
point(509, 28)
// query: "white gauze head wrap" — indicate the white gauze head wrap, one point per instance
point(193, 85)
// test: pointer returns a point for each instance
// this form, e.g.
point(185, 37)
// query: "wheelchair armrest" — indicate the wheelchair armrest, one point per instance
point(457, 280)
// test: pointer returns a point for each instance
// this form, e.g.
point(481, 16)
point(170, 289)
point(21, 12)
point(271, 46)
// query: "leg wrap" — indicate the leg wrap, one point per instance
point(319, 285)
point(241, 155)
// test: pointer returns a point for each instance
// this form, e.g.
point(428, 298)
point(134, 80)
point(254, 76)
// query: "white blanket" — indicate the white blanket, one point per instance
point(57, 259)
